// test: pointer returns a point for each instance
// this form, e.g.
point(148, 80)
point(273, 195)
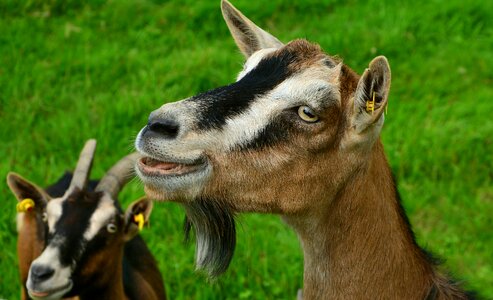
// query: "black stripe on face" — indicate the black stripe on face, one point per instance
point(73, 223)
point(217, 105)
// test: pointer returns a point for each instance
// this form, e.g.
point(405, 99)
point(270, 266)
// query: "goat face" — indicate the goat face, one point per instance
point(85, 233)
point(292, 127)
point(266, 127)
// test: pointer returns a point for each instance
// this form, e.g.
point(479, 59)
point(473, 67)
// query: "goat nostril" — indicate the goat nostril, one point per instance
point(41, 272)
point(164, 127)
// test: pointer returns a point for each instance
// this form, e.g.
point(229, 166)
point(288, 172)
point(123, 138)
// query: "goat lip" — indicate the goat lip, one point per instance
point(48, 294)
point(39, 294)
point(151, 166)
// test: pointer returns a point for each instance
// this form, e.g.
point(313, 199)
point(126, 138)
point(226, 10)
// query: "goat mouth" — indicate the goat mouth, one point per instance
point(153, 167)
point(48, 294)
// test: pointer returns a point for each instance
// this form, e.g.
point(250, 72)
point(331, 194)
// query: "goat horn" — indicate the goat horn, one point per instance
point(84, 164)
point(114, 180)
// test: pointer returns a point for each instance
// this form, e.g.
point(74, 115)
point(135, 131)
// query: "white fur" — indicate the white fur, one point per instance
point(301, 89)
point(100, 217)
point(54, 212)
point(61, 278)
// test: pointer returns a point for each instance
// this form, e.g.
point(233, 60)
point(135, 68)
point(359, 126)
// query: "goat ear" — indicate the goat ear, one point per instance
point(24, 189)
point(136, 216)
point(373, 86)
point(248, 36)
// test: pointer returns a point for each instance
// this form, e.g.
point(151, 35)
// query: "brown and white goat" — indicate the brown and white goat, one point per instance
point(92, 249)
point(297, 135)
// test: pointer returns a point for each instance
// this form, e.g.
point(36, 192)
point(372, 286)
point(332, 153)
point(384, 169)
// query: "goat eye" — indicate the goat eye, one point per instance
point(307, 114)
point(111, 228)
point(44, 217)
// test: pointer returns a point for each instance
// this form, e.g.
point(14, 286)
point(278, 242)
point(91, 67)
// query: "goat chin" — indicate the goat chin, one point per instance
point(215, 234)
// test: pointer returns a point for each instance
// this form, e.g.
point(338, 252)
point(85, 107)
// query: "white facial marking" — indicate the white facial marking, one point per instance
point(54, 212)
point(60, 280)
point(253, 61)
point(50, 256)
point(105, 210)
point(301, 89)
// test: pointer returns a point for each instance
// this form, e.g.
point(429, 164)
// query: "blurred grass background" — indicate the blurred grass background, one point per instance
point(73, 70)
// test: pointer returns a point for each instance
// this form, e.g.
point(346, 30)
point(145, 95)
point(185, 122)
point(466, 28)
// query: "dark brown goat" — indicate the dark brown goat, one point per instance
point(31, 229)
point(92, 249)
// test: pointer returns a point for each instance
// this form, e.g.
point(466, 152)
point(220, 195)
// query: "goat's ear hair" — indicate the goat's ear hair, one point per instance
point(138, 212)
point(248, 36)
point(371, 96)
point(24, 189)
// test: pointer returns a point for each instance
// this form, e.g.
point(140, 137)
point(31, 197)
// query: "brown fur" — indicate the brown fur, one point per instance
point(146, 280)
point(101, 274)
point(342, 204)
point(29, 247)
point(356, 244)
point(305, 54)
point(361, 237)
point(110, 283)
point(335, 188)
point(329, 180)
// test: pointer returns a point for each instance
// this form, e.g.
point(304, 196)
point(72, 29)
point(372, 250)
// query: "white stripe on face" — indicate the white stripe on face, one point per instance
point(105, 210)
point(51, 258)
point(301, 89)
point(54, 212)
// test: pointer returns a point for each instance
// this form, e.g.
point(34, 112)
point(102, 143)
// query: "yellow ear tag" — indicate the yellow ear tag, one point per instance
point(25, 205)
point(370, 104)
point(139, 219)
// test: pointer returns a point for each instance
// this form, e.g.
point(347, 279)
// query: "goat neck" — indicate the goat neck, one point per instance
point(362, 231)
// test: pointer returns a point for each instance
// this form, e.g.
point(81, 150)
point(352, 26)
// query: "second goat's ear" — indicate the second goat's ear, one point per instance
point(136, 216)
point(24, 189)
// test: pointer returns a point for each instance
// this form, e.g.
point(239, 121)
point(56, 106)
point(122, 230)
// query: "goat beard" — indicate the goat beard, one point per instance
point(215, 234)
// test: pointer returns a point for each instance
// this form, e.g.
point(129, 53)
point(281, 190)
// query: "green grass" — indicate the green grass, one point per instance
point(71, 71)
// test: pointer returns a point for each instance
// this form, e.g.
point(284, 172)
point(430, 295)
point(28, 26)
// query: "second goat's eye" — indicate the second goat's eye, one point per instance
point(307, 114)
point(111, 228)
point(44, 217)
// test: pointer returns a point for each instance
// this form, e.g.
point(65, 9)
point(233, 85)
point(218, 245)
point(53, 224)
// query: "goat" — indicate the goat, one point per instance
point(92, 249)
point(31, 228)
point(296, 135)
